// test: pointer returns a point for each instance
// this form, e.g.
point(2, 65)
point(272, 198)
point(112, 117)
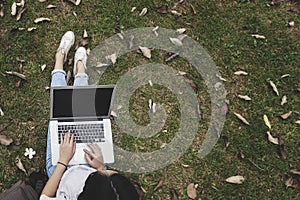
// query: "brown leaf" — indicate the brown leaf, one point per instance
point(18, 83)
point(176, 41)
point(283, 100)
point(162, 9)
point(235, 179)
point(256, 36)
point(174, 195)
point(194, 9)
point(160, 183)
point(191, 191)
point(171, 55)
point(146, 51)
point(174, 12)
point(240, 117)
point(42, 19)
point(5, 140)
point(241, 73)
point(291, 183)
point(295, 172)
point(282, 149)
point(22, 76)
point(84, 42)
point(241, 154)
point(14, 9)
point(286, 115)
point(1, 10)
point(143, 12)
point(272, 139)
point(20, 12)
point(191, 82)
point(1, 112)
point(245, 97)
point(20, 165)
point(50, 6)
point(225, 138)
point(274, 88)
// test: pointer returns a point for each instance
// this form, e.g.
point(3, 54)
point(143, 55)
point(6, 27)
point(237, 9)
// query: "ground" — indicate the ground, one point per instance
point(224, 28)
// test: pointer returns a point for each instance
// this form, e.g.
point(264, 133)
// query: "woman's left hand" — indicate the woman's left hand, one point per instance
point(67, 148)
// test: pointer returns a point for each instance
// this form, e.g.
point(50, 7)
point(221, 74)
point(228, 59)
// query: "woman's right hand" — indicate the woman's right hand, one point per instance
point(94, 157)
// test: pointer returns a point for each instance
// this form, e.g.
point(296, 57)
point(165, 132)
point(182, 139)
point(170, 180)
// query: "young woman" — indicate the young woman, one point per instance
point(80, 182)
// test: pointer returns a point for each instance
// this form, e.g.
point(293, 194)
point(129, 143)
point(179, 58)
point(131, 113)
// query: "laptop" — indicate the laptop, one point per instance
point(84, 111)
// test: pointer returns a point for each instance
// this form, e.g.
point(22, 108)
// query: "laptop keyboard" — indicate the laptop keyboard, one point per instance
point(83, 133)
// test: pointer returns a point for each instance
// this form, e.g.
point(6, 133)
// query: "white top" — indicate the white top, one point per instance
point(72, 183)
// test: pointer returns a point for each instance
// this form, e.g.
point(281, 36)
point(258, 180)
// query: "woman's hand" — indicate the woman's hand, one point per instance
point(94, 157)
point(67, 148)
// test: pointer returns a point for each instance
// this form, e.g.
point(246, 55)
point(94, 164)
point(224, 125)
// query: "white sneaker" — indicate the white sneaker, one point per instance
point(80, 55)
point(66, 43)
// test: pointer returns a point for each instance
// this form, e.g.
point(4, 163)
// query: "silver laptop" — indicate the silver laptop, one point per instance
point(84, 111)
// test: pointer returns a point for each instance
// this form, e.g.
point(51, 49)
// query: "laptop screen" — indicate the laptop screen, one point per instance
point(81, 102)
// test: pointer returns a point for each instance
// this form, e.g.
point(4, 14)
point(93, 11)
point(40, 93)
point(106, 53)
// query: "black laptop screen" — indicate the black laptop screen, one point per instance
point(81, 102)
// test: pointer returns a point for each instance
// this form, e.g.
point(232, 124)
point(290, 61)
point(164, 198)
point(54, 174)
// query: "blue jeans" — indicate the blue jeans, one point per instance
point(59, 79)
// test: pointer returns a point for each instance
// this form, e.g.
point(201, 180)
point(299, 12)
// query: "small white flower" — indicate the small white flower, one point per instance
point(29, 152)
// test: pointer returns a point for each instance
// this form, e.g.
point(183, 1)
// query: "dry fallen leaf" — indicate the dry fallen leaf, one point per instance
point(174, 12)
point(191, 191)
point(162, 9)
point(1, 10)
point(221, 78)
point(258, 36)
point(272, 139)
point(241, 73)
point(14, 9)
point(1, 112)
point(174, 195)
point(42, 19)
point(192, 83)
point(176, 41)
point(143, 12)
point(155, 31)
point(113, 113)
point(50, 6)
point(235, 179)
point(43, 67)
point(291, 183)
point(267, 122)
point(285, 75)
point(181, 30)
point(245, 97)
point(274, 88)
point(283, 100)
point(20, 165)
point(291, 24)
point(133, 9)
point(181, 37)
point(297, 122)
point(181, 73)
point(294, 171)
point(112, 58)
point(31, 29)
point(20, 12)
point(146, 51)
point(160, 183)
point(171, 55)
point(22, 76)
point(5, 140)
point(286, 115)
point(85, 34)
point(240, 117)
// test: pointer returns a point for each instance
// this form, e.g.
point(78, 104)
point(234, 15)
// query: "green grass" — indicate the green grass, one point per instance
point(224, 29)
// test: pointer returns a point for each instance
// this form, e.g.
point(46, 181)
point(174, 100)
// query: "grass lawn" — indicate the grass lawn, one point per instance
point(224, 28)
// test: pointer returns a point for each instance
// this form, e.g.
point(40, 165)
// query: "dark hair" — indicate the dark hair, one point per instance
point(101, 187)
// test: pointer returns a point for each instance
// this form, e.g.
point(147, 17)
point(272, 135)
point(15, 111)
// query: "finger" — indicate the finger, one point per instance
point(91, 154)
point(74, 147)
point(87, 157)
point(61, 139)
point(72, 138)
point(65, 137)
